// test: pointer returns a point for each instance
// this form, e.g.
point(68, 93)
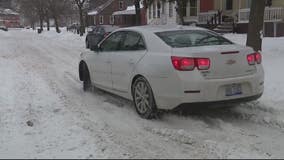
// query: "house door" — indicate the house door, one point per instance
point(206, 5)
point(229, 4)
point(192, 8)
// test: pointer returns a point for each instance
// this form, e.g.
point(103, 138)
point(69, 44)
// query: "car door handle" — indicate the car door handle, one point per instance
point(108, 61)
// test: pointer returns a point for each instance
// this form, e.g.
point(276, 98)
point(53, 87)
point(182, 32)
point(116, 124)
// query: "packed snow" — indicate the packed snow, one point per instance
point(44, 112)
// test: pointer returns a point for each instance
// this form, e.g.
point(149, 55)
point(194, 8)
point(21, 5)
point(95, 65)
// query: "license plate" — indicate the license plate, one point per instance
point(234, 89)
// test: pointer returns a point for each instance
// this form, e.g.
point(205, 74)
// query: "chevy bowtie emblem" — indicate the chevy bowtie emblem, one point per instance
point(231, 62)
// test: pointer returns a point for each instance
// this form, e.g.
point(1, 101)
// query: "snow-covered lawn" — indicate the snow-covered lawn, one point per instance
point(45, 114)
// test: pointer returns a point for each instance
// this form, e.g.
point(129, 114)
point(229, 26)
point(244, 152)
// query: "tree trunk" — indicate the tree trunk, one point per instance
point(33, 25)
point(56, 24)
point(47, 22)
point(41, 22)
point(82, 26)
point(256, 21)
point(138, 12)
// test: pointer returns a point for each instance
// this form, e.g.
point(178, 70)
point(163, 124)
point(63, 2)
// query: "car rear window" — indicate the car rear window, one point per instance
point(192, 38)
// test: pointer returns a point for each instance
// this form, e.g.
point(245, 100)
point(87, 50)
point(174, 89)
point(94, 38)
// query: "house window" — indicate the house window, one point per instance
point(163, 7)
point(183, 9)
point(229, 4)
point(248, 3)
point(120, 5)
point(154, 10)
point(171, 9)
point(101, 19)
point(111, 19)
point(193, 7)
point(150, 11)
point(158, 9)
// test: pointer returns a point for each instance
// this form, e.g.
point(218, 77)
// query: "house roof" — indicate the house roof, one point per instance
point(100, 8)
point(130, 10)
point(8, 12)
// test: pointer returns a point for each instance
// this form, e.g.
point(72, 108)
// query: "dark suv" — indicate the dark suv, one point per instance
point(97, 33)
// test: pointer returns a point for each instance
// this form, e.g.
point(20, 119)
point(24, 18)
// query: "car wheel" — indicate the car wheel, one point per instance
point(87, 84)
point(143, 98)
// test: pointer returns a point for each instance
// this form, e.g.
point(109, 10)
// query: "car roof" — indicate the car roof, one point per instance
point(161, 28)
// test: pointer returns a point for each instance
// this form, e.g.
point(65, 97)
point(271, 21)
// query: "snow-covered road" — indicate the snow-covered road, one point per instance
point(40, 86)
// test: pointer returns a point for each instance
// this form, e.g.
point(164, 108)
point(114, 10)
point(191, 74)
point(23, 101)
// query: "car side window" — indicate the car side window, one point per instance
point(133, 42)
point(113, 42)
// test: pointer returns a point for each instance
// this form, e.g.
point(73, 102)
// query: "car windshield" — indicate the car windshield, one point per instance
point(192, 38)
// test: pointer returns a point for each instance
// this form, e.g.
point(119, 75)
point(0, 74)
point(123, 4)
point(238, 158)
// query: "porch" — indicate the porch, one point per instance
point(271, 14)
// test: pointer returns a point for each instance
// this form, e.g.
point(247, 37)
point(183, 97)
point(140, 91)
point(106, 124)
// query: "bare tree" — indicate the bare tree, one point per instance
point(256, 22)
point(42, 10)
point(28, 9)
point(40, 7)
point(57, 8)
point(47, 18)
point(81, 4)
point(138, 12)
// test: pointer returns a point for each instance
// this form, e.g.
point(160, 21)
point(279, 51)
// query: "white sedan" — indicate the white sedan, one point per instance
point(166, 67)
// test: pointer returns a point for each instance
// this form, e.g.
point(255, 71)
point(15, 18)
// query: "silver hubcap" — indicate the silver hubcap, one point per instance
point(141, 95)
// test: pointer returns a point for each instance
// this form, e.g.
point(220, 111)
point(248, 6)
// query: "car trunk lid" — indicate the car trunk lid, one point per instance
point(227, 61)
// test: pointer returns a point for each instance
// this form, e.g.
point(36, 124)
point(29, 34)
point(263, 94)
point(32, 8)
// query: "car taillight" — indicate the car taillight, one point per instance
point(254, 58)
point(188, 64)
point(203, 63)
point(258, 58)
point(183, 64)
point(251, 59)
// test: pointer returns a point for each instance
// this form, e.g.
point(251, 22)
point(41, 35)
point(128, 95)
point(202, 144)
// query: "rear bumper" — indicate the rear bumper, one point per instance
point(220, 103)
point(194, 89)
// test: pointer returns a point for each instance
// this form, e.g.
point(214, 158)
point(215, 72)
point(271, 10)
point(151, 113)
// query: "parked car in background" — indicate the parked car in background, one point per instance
point(97, 33)
point(2, 26)
point(163, 68)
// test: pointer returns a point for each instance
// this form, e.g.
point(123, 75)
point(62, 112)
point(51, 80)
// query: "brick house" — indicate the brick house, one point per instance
point(9, 18)
point(234, 15)
point(102, 14)
point(128, 17)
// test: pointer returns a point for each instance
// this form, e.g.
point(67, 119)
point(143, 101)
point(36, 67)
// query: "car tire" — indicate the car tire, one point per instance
point(87, 84)
point(143, 98)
